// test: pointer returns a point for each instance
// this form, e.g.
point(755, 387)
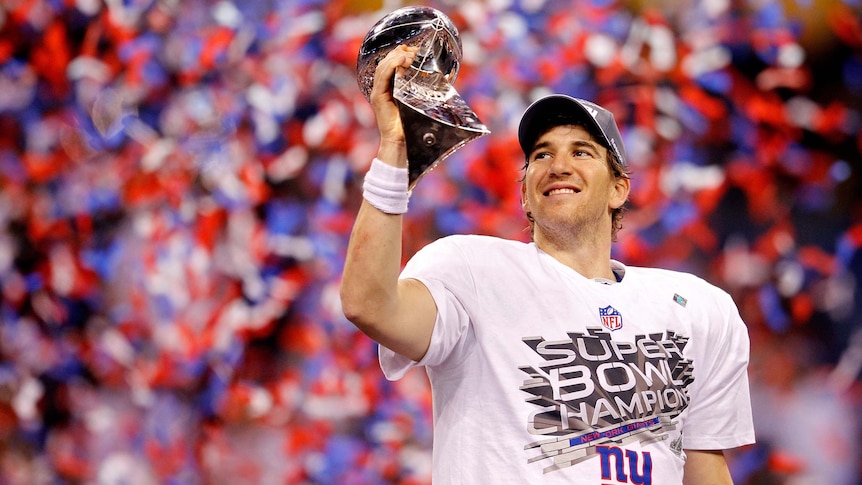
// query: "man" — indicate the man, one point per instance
point(549, 362)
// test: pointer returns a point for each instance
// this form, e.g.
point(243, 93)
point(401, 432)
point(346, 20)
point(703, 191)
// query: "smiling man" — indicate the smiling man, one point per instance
point(574, 175)
point(549, 362)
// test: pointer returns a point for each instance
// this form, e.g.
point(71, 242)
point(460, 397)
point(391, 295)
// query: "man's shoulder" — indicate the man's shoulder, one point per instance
point(689, 286)
point(482, 242)
point(470, 248)
point(665, 277)
point(479, 252)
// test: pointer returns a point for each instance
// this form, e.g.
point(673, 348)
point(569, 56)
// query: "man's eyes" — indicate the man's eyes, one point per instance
point(577, 154)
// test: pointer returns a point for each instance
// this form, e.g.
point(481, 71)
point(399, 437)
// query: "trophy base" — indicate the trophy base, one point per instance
point(431, 135)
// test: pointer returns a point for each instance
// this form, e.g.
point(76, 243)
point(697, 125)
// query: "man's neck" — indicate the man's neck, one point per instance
point(590, 258)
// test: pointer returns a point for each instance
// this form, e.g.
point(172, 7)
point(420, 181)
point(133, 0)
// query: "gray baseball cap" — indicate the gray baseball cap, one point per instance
point(556, 109)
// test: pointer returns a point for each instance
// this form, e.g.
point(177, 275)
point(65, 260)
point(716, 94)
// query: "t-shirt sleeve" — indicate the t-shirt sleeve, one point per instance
point(440, 266)
point(720, 410)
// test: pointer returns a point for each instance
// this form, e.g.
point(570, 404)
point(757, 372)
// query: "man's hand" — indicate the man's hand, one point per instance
point(383, 103)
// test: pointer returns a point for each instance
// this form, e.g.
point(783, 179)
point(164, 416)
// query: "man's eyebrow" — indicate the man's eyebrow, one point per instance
point(575, 144)
point(586, 144)
point(539, 146)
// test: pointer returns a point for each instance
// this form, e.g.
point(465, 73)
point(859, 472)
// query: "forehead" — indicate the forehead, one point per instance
point(567, 134)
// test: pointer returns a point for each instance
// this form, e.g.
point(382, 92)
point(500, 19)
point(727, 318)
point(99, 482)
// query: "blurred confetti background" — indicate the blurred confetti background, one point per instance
point(178, 181)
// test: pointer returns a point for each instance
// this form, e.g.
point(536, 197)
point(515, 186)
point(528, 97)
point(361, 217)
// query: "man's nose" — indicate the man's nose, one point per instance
point(560, 165)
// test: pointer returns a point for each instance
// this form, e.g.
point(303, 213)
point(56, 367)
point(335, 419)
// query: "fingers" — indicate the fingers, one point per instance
point(382, 101)
point(400, 57)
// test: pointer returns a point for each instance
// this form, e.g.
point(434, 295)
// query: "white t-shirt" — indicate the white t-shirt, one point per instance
point(540, 375)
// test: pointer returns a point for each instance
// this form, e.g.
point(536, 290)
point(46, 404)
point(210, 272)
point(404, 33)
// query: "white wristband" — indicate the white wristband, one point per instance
point(385, 187)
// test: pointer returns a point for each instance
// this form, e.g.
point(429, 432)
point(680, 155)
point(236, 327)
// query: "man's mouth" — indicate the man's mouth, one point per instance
point(561, 191)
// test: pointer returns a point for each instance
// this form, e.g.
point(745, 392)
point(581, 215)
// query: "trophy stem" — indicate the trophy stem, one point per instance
point(429, 141)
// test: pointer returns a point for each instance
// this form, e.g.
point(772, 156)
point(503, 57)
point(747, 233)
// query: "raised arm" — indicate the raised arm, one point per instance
point(398, 314)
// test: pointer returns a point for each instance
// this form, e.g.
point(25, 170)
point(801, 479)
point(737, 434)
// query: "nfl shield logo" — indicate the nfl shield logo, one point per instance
point(611, 318)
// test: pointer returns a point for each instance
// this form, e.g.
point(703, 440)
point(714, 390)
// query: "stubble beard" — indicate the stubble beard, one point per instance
point(572, 230)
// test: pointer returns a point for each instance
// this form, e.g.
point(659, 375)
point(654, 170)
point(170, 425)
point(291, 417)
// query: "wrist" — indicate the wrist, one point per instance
point(393, 153)
point(386, 187)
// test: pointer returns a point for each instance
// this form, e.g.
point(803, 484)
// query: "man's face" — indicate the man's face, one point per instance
point(568, 182)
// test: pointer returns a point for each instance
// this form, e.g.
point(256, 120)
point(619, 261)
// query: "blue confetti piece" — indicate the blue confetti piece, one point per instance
point(677, 215)
point(715, 81)
point(284, 217)
point(770, 304)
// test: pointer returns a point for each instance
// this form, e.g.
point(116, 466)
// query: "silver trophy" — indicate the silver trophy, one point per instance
point(436, 120)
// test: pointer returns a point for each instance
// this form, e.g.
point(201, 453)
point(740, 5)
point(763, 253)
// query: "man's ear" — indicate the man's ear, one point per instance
point(620, 192)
